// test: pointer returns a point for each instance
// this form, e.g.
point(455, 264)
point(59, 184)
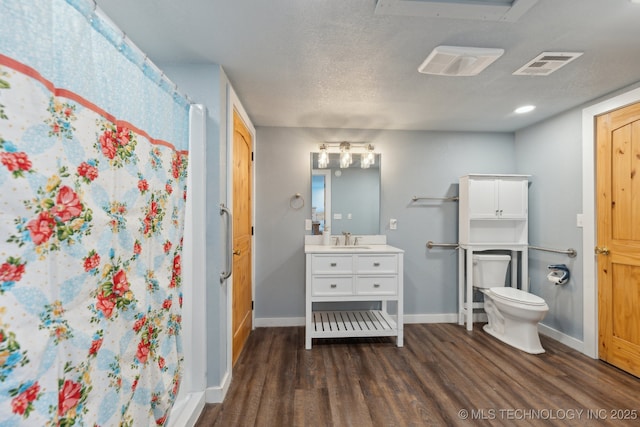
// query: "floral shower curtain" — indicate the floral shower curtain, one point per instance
point(93, 161)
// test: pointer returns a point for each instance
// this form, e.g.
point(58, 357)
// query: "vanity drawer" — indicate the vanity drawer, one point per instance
point(332, 286)
point(377, 264)
point(387, 285)
point(332, 264)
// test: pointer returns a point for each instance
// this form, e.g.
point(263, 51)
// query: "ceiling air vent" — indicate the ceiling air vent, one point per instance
point(459, 61)
point(546, 63)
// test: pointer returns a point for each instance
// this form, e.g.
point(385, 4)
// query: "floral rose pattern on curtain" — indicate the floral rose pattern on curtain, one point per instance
point(91, 214)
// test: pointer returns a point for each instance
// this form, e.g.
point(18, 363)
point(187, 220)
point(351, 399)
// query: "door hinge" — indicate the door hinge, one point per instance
point(252, 230)
point(251, 305)
point(252, 156)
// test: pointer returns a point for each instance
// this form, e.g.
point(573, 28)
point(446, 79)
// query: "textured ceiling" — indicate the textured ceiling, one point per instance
point(336, 63)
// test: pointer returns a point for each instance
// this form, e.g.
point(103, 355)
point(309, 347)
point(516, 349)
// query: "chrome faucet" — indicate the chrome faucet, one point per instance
point(355, 241)
point(347, 238)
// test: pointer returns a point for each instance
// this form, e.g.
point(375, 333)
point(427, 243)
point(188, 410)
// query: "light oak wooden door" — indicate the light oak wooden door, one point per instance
point(242, 230)
point(618, 248)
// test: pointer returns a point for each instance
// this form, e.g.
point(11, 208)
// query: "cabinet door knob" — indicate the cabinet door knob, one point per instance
point(376, 264)
point(376, 285)
point(333, 285)
point(333, 264)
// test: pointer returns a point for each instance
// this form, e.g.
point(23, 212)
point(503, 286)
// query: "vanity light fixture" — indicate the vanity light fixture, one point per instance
point(323, 158)
point(345, 155)
point(346, 151)
point(367, 158)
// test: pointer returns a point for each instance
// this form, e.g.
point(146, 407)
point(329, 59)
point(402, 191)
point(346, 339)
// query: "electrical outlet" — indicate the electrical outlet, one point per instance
point(393, 224)
point(307, 224)
point(579, 220)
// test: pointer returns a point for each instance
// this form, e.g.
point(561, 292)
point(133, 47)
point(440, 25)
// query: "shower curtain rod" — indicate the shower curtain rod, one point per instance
point(134, 51)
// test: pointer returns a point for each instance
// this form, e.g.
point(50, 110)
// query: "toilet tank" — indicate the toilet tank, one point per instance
point(490, 271)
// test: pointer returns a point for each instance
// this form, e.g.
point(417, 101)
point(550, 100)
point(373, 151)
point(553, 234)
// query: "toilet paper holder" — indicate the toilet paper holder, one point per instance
point(559, 274)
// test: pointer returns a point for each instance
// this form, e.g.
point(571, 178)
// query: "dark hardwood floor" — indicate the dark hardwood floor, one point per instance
point(444, 376)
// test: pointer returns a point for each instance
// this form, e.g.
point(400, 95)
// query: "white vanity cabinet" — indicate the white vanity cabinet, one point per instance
point(342, 275)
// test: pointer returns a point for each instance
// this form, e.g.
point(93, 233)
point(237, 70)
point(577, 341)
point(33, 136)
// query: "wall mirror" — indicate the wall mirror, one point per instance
point(345, 199)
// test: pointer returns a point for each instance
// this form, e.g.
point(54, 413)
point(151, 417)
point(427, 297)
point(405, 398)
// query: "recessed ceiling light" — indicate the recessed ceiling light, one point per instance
point(524, 109)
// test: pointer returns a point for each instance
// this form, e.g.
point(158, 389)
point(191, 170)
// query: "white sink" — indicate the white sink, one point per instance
point(350, 247)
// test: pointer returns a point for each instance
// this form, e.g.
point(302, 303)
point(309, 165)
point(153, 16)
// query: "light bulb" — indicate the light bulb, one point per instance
point(323, 158)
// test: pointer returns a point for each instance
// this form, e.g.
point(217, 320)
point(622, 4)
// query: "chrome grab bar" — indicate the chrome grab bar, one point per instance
point(229, 256)
point(432, 245)
point(444, 199)
point(571, 252)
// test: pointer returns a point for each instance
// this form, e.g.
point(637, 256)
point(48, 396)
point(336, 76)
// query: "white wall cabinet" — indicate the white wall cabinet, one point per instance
point(493, 215)
point(497, 198)
point(367, 275)
point(493, 209)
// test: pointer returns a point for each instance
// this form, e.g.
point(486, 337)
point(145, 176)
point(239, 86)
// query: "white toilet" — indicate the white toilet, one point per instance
point(513, 314)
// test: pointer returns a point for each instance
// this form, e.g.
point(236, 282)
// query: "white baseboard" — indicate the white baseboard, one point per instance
point(440, 318)
point(563, 338)
point(187, 413)
point(217, 394)
point(431, 318)
point(275, 322)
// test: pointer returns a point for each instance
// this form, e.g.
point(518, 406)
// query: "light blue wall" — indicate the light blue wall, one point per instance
point(206, 84)
point(551, 151)
point(413, 163)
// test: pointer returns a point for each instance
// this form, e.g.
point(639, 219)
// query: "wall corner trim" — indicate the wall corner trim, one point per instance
point(217, 394)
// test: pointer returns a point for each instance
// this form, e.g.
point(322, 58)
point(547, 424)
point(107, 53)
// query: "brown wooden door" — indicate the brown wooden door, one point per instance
point(618, 223)
point(242, 218)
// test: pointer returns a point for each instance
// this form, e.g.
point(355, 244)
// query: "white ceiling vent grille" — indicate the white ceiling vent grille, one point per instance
point(459, 61)
point(546, 63)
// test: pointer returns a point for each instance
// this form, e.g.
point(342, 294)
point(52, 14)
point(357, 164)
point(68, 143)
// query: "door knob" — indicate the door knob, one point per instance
point(236, 252)
point(601, 251)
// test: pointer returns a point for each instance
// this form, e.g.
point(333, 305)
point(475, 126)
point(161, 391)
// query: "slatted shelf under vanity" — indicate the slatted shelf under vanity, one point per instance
point(364, 323)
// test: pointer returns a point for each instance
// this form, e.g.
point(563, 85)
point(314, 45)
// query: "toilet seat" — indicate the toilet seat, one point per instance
point(517, 295)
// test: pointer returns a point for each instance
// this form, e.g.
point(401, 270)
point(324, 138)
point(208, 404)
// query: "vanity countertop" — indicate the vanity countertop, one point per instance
point(360, 249)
